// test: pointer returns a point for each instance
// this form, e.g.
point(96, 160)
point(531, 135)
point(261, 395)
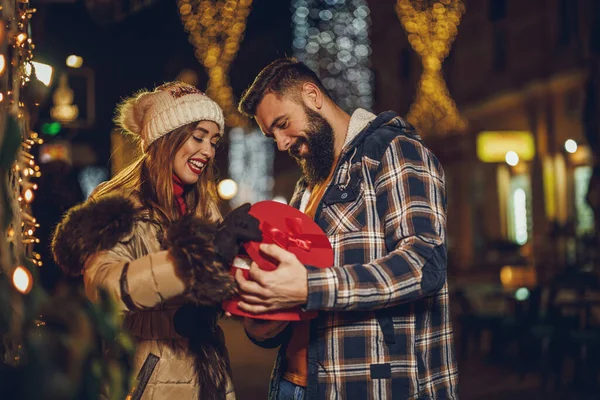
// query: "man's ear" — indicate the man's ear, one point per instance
point(312, 95)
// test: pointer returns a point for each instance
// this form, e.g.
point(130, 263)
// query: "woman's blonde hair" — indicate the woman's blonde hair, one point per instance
point(150, 179)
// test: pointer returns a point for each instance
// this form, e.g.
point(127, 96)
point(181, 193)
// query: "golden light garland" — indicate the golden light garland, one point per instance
point(432, 27)
point(216, 29)
point(16, 53)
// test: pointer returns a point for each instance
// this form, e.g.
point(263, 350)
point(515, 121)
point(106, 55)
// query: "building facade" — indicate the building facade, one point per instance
point(517, 176)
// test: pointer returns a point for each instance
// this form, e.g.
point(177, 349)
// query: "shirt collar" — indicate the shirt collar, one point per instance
point(358, 121)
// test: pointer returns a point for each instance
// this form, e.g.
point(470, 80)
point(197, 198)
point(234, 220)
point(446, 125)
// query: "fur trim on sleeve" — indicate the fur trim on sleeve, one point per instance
point(91, 227)
point(189, 241)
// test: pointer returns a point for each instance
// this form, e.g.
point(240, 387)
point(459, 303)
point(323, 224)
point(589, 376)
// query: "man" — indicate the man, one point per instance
point(378, 193)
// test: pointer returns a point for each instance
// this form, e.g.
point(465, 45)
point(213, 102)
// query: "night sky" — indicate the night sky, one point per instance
point(146, 49)
point(142, 51)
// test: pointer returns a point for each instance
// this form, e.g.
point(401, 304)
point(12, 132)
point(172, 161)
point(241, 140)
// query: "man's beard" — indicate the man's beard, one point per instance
point(316, 164)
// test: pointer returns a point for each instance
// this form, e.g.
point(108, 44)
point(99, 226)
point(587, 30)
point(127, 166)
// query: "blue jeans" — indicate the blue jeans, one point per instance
point(289, 391)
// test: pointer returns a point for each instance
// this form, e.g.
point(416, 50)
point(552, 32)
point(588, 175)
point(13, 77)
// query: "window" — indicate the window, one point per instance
point(519, 210)
point(500, 51)
point(497, 10)
point(584, 215)
point(567, 21)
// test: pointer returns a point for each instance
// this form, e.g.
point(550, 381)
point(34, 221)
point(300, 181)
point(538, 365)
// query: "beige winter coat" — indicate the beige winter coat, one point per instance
point(149, 293)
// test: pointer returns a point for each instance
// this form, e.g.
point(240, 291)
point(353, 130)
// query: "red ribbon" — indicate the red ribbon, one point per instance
point(294, 236)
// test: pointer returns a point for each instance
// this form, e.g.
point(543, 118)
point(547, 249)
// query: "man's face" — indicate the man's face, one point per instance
point(303, 133)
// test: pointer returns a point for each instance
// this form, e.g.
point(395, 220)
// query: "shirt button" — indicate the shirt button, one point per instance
point(344, 195)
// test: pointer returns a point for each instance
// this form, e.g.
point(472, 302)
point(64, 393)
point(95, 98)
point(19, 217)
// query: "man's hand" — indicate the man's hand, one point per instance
point(284, 288)
point(263, 330)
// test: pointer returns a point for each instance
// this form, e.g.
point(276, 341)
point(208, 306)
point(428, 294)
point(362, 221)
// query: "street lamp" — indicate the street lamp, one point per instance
point(512, 158)
point(43, 72)
point(227, 189)
point(571, 146)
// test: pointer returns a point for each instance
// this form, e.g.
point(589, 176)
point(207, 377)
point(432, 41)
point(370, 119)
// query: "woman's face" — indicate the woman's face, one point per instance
point(195, 153)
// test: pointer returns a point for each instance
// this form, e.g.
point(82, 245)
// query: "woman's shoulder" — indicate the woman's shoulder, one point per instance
point(95, 225)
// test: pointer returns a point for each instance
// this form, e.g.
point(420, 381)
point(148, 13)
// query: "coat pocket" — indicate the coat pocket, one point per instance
point(344, 209)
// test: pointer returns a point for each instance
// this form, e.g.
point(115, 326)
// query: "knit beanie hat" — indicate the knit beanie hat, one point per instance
point(151, 115)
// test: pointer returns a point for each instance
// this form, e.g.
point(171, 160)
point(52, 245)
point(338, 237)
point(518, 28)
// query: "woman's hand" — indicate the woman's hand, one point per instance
point(238, 227)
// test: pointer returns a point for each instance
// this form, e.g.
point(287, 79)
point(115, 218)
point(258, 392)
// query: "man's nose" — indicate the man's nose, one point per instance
point(283, 143)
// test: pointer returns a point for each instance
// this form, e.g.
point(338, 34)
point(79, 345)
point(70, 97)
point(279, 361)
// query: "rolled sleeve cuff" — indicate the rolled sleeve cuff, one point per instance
point(322, 288)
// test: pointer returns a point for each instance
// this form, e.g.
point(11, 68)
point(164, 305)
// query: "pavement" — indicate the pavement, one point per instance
point(478, 379)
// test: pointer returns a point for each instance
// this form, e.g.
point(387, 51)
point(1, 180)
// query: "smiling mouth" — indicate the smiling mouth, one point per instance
point(196, 166)
point(299, 149)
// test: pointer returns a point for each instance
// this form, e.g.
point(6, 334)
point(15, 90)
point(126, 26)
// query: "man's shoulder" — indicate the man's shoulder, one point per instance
point(378, 140)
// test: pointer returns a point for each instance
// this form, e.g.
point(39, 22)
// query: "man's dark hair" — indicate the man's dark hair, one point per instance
point(279, 77)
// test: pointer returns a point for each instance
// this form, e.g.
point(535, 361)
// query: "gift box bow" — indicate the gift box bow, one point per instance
point(294, 237)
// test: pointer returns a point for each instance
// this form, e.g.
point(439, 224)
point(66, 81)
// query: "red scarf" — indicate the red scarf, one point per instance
point(178, 190)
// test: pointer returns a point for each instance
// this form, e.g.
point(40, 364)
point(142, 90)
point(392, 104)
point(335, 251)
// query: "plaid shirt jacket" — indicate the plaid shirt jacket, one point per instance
point(384, 329)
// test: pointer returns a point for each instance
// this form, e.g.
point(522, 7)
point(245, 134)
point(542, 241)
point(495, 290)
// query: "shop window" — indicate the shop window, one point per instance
point(567, 21)
point(500, 50)
point(497, 10)
point(519, 210)
point(584, 215)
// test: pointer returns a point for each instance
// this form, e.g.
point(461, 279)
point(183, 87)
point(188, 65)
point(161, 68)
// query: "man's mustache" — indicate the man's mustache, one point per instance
point(294, 149)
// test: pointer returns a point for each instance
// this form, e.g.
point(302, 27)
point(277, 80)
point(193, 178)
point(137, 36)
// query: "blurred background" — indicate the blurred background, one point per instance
point(505, 92)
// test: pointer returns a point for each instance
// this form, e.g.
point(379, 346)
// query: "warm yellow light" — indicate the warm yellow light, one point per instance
point(28, 195)
point(43, 72)
point(581, 156)
point(20, 39)
point(431, 31)
point(74, 61)
point(492, 146)
point(22, 280)
point(227, 189)
point(216, 28)
point(571, 146)
point(517, 276)
point(511, 158)
point(506, 275)
point(2, 63)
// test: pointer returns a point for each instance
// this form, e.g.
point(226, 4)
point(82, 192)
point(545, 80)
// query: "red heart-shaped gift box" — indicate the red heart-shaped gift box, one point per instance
point(294, 231)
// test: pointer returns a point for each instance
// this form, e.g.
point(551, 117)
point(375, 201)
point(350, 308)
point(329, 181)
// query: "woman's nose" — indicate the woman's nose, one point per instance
point(207, 151)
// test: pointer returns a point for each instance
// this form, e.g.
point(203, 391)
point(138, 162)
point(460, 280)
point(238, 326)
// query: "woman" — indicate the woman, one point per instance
point(150, 238)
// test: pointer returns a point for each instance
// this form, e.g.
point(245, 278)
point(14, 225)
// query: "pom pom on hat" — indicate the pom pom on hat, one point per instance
point(151, 115)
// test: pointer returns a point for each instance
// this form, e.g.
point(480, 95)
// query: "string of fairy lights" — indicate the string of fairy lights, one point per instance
point(432, 27)
point(18, 224)
point(332, 38)
point(216, 29)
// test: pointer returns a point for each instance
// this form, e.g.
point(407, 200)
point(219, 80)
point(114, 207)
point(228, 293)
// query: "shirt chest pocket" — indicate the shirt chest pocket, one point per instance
point(344, 209)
